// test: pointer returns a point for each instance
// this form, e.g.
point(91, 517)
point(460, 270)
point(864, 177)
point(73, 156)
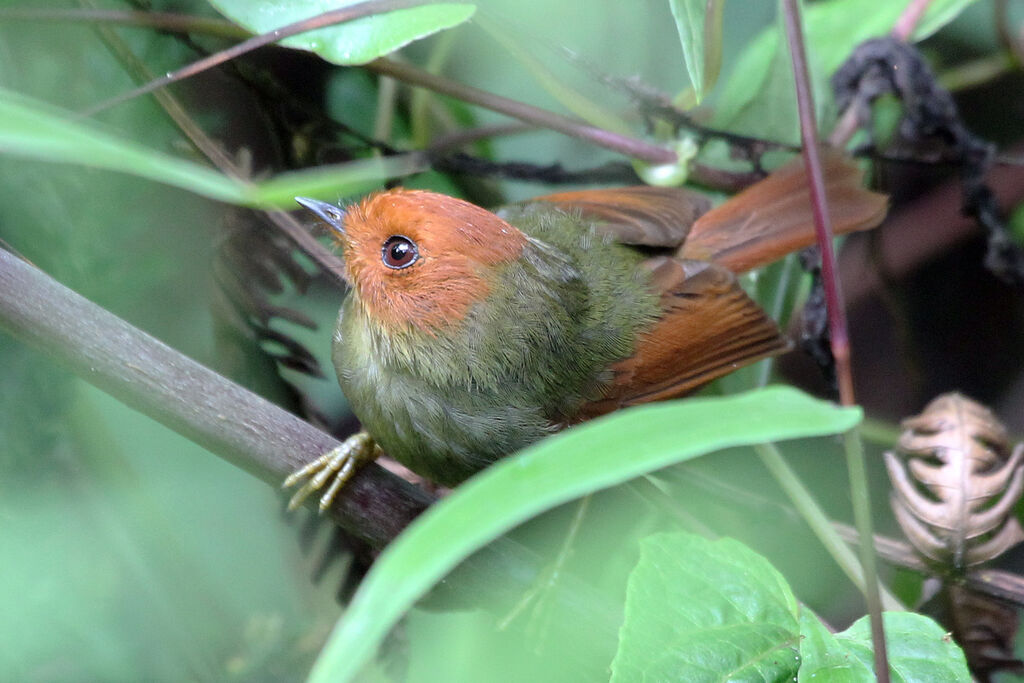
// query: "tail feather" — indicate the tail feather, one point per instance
point(774, 216)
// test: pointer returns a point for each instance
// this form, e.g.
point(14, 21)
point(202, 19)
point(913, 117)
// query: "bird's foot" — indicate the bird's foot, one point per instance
point(337, 465)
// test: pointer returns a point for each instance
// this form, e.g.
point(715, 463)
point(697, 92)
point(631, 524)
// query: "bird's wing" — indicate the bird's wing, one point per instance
point(768, 220)
point(774, 217)
point(641, 215)
point(708, 328)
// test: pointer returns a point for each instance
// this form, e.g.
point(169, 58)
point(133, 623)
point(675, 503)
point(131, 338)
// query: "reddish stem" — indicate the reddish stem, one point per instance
point(909, 20)
point(837, 326)
point(822, 219)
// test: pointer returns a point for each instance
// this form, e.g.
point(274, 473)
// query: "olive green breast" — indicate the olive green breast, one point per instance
point(516, 368)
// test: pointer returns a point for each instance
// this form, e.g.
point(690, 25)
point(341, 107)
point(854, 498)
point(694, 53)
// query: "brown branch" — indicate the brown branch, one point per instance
point(524, 112)
point(255, 435)
point(994, 583)
point(194, 401)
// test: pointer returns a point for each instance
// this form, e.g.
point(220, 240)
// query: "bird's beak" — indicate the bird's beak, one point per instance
point(328, 213)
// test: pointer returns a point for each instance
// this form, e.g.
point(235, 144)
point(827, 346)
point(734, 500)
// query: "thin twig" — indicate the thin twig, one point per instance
point(331, 18)
point(822, 220)
point(812, 513)
point(284, 221)
point(623, 144)
point(909, 20)
point(837, 328)
point(996, 583)
point(610, 140)
point(717, 179)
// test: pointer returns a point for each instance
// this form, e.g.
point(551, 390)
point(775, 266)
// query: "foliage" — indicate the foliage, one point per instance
point(130, 553)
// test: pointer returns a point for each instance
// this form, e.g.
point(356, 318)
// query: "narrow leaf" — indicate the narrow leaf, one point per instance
point(699, 23)
point(33, 129)
point(578, 461)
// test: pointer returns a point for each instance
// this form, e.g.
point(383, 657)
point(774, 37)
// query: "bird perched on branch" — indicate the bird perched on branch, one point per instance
point(468, 334)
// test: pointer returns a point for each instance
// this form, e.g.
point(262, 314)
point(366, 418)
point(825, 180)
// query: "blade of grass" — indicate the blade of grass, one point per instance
point(32, 129)
point(815, 517)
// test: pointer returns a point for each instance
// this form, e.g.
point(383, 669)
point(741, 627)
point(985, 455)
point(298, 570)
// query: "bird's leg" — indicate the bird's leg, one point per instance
point(337, 465)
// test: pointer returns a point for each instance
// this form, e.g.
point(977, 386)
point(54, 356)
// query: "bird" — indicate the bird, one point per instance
point(469, 334)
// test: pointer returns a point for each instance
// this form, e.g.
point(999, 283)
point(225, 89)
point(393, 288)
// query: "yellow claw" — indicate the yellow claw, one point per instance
point(337, 465)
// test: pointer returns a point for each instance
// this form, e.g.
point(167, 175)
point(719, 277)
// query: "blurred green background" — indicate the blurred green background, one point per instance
point(129, 553)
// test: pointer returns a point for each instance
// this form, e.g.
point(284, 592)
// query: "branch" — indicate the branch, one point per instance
point(196, 402)
point(622, 144)
point(247, 431)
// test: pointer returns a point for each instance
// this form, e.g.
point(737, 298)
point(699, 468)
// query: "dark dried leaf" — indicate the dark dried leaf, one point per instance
point(984, 627)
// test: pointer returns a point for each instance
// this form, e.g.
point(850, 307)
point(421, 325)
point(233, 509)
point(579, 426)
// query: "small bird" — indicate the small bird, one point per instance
point(467, 334)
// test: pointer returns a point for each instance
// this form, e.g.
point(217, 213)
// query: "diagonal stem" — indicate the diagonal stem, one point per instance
point(837, 329)
point(337, 16)
point(524, 112)
point(610, 140)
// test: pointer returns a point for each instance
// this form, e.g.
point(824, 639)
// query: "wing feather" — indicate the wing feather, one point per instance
point(709, 327)
point(642, 215)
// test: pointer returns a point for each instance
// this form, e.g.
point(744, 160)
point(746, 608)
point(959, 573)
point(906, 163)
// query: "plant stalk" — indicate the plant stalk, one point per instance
point(820, 524)
point(330, 18)
point(837, 328)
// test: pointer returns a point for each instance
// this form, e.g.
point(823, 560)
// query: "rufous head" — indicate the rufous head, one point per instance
point(418, 258)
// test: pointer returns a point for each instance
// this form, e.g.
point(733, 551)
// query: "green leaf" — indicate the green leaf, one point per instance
point(591, 111)
point(698, 610)
point(32, 129)
point(938, 14)
point(573, 463)
point(759, 94)
point(919, 651)
point(354, 42)
point(699, 23)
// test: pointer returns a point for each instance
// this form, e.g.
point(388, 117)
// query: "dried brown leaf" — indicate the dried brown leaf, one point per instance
point(955, 482)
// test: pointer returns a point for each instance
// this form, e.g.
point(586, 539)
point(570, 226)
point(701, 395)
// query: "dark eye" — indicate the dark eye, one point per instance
point(399, 252)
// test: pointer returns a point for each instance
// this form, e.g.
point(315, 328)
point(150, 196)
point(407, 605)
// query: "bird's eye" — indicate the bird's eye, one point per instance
point(399, 252)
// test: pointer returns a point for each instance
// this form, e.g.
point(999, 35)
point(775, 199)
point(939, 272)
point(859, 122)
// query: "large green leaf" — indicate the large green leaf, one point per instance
point(30, 128)
point(593, 456)
point(698, 610)
point(759, 99)
point(354, 42)
point(919, 651)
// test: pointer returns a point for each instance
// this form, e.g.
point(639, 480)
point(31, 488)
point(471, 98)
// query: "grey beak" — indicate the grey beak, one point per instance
point(328, 213)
